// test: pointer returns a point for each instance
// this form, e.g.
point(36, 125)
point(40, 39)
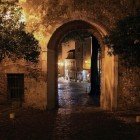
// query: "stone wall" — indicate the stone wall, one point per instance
point(35, 92)
point(105, 13)
point(34, 83)
point(3, 88)
point(128, 88)
point(44, 17)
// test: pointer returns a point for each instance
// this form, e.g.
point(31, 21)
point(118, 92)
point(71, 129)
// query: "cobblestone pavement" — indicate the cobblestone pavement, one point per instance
point(75, 120)
point(79, 123)
point(73, 94)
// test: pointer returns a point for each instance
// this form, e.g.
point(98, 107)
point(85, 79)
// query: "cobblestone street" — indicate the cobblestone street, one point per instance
point(72, 94)
point(76, 119)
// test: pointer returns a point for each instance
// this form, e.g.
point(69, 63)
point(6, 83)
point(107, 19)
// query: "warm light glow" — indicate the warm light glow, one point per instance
point(87, 62)
point(22, 0)
point(33, 16)
point(8, 15)
point(22, 18)
point(60, 64)
point(66, 63)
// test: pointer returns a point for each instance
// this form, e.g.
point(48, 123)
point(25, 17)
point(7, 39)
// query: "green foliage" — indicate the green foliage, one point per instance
point(124, 40)
point(14, 41)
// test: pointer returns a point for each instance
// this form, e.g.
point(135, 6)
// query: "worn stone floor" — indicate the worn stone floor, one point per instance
point(76, 119)
point(72, 94)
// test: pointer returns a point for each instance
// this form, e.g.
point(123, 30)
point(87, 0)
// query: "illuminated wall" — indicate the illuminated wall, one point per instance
point(43, 18)
point(87, 51)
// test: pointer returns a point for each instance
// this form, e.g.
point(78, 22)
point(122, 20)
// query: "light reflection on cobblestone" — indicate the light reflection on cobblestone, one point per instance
point(73, 94)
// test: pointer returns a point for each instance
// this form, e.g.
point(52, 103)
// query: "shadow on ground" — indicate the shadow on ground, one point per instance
point(67, 124)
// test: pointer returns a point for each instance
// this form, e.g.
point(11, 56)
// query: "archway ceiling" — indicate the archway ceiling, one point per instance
point(67, 28)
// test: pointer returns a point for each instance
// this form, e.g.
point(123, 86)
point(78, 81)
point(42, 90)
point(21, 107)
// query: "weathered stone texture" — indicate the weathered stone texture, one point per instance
point(35, 92)
point(34, 83)
point(103, 12)
point(128, 88)
point(43, 17)
point(3, 88)
point(54, 10)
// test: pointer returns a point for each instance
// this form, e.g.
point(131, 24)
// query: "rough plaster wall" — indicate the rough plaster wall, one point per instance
point(35, 93)
point(34, 83)
point(108, 99)
point(129, 88)
point(6, 67)
point(3, 88)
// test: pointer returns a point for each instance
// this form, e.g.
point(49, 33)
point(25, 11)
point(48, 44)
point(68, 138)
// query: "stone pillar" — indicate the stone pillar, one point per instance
point(51, 80)
point(109, 79)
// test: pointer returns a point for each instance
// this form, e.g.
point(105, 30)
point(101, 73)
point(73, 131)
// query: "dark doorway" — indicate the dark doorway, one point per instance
point(15, 86)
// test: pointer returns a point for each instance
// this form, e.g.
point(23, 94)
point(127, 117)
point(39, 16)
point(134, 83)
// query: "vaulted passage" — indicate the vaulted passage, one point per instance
point(101, 69)
point(79, 70)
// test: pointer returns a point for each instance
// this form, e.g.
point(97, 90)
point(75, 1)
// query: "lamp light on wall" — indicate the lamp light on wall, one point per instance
point(12, 115)
point(22, 18)
point(87, 62)
point(60, 64)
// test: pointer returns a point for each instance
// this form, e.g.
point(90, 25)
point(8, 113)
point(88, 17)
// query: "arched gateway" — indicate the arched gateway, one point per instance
point(109, 69)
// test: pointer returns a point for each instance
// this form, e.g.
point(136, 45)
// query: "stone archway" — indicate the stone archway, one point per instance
point(109, 76)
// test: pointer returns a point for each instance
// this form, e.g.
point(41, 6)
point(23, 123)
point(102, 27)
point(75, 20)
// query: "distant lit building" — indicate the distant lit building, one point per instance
point(70, 66)
point(62, 55)
point(77, 64)
point(87, 53)
point(79, 59)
